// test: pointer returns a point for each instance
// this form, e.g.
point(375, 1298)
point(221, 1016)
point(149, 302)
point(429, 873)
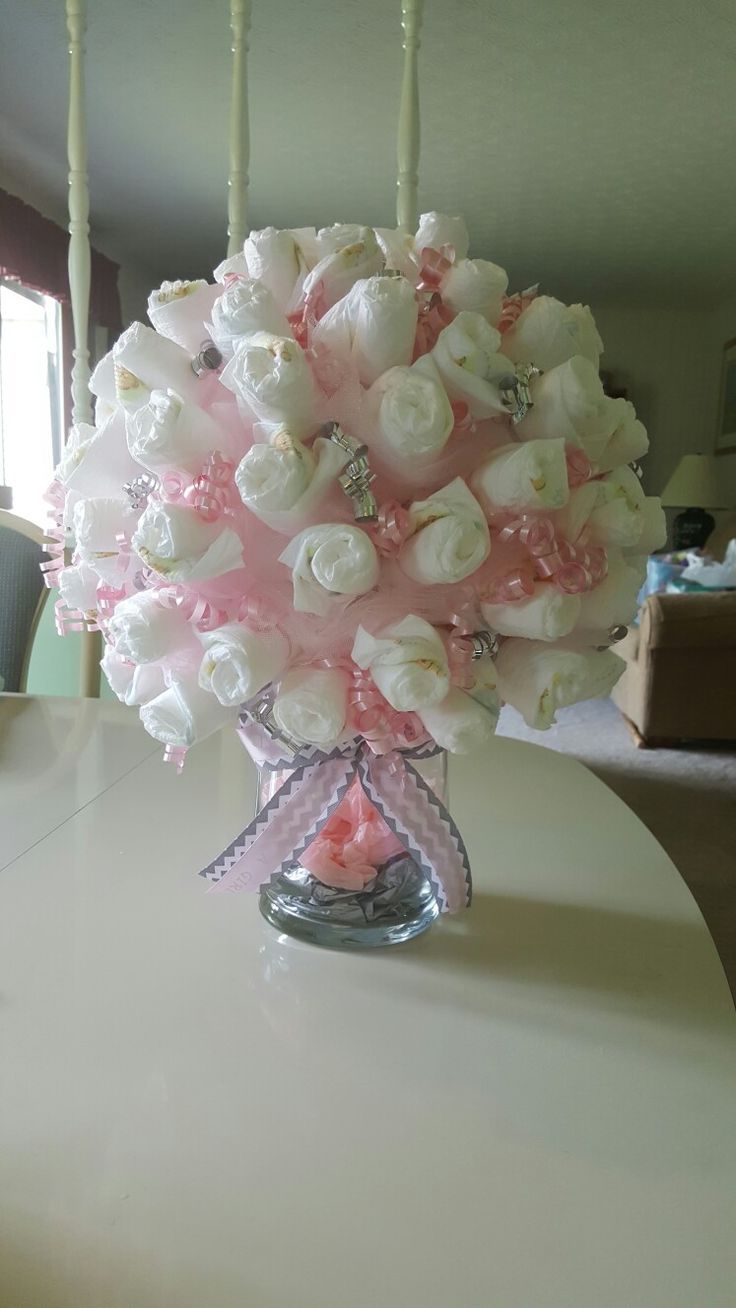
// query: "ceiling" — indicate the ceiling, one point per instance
point(590, 144)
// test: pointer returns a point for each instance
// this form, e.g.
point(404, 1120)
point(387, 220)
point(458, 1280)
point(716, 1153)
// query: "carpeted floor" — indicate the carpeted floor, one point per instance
point(686, 797)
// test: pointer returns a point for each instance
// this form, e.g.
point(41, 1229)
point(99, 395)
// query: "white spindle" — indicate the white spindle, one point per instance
point(79, 277)
point(237, 204)
point(79, 252)
point(407, 153)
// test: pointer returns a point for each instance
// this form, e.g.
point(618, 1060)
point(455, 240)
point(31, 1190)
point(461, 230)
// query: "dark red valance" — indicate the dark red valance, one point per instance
point(35, 250)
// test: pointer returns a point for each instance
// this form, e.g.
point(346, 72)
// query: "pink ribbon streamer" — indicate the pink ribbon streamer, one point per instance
point(579, 467)
point(514, 306)
point(433, 314)
point(372, 716)
point(200, 612)
point(54, 534)
point(571, 568)
point(209, 493)
point(392, 528)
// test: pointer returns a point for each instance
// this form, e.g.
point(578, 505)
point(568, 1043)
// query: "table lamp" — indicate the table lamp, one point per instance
point(697, 484)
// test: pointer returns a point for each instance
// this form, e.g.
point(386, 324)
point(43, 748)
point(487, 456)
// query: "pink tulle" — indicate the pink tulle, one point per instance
point(352, 845)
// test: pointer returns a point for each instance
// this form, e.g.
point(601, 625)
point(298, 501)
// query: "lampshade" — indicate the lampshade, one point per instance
point(697, 482)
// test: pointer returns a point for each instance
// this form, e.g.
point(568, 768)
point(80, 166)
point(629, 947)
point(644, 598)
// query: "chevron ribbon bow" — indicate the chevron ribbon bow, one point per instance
point(297, 812)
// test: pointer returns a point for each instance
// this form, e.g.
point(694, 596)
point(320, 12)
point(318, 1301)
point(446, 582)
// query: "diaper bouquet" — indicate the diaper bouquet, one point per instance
point(349, 498)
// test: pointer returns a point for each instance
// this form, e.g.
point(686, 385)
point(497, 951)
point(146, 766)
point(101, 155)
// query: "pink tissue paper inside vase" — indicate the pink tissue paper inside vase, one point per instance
point(352, 845)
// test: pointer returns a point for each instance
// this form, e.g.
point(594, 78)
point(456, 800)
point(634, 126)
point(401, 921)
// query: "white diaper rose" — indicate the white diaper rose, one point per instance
point(438, 229)
point(528, 476)
point(408, 663)
point(628, 441)
point(179, 310)
point(547, 614)
point(549, 333)
point(133, 684)
point(276, 259)
point(238, 662)
point(144, 630)
point(569, 404)
point(475, 285)
point(538, 680)
point(449, 536)
point(272, 376)
point(470, 365)
point(286, 484)
point(327, 561)
point(413, 416)
point(341, 268)
point(179, 545)
point(169, 433)
point(459, 724)
point(185, 714)
point(311, 706)
point(617, 517)
point(374, 323)
point(245, 307)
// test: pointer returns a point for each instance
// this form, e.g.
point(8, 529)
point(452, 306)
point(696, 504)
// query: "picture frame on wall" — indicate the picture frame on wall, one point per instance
point(726, 430)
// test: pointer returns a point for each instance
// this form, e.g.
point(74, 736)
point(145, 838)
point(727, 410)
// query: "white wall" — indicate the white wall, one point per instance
point(669, 360)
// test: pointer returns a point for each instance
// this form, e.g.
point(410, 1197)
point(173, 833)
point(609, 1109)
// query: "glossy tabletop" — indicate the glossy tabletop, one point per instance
point(533, 1105)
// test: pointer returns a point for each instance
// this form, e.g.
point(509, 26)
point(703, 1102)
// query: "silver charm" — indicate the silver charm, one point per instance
point(357, 477)
point(615, 634)
point(515, 389)
point(140, 488)
point(260, 710)
point(208, 359)
point(486, 644)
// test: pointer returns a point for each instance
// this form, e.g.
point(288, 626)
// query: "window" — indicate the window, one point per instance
point(31, 397)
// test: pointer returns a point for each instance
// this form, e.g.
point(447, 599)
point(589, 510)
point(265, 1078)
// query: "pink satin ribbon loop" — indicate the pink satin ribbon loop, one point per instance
point(392, 528)
point(200, 612)
point(579, 467)
point(514, 306)
point(383, 728)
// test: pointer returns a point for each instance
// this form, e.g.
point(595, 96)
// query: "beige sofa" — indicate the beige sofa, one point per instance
point(680, 678)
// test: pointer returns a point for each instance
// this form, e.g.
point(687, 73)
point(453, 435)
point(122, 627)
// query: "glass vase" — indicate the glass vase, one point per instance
point(355, 887)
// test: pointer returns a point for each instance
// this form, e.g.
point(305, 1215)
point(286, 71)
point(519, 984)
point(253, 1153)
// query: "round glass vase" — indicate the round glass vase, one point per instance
point(385, 903)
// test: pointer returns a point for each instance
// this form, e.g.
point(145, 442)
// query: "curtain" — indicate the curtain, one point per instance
point(35, 250)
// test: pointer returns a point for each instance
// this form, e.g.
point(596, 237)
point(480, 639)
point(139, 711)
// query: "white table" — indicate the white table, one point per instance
point(533, 1105)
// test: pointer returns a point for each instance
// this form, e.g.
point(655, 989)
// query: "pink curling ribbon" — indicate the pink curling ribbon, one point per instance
point(54, 534)
point(460, 661)
point(175, 754)
point(464, 420)
point(434, 314)
point(464, 621)
point(537, 534)
point(382, 727)
point(208, 494)
point(516, 585)
point(392, 528)
point(514, 306)
point(67, 619)
point(200, 612)
point(210, 490)
point(579, 467)
point(572, 568)
point(434, 266)
point(254, 610)
point(304, 320)
point(173, 486)
point(107, 597)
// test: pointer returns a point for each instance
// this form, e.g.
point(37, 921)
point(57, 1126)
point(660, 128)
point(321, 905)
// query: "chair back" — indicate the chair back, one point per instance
point(22, 596)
